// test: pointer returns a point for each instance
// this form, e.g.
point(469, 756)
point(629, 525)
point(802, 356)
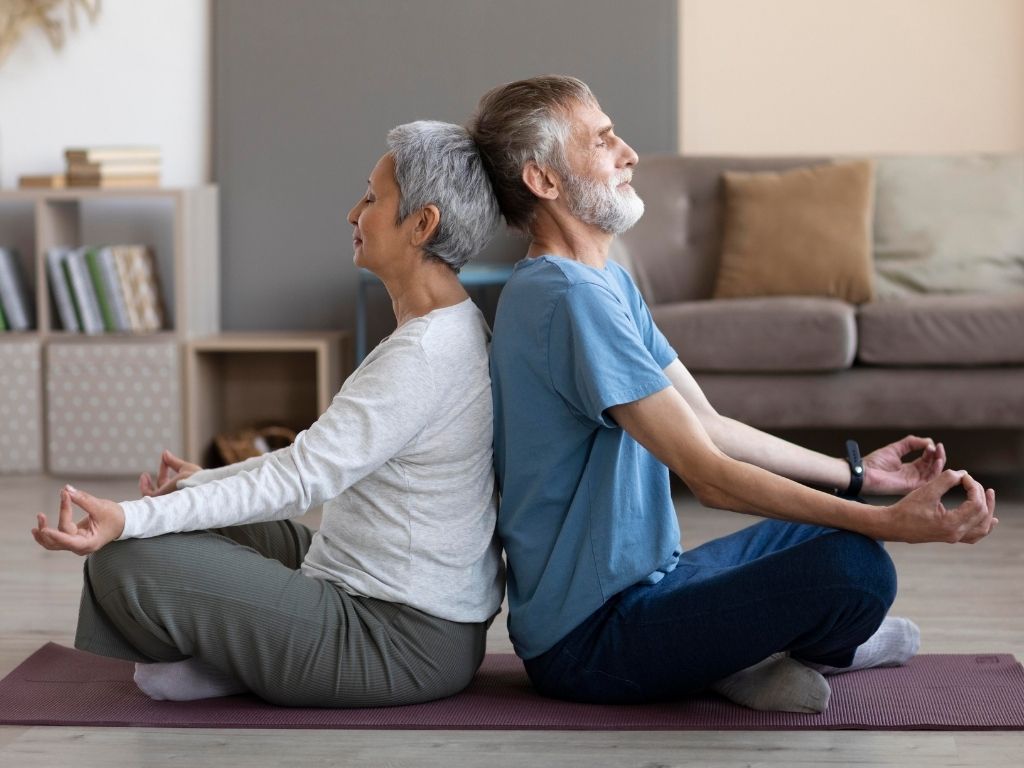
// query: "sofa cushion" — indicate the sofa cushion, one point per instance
point(677, 242)
point(963, 330)
point(765, 334)
point(804, 232)
point(949, 224)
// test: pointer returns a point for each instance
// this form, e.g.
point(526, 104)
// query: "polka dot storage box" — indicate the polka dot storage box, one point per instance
point(21, 421)
point(112, 407)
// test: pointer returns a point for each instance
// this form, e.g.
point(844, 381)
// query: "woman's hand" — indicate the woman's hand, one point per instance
point(165, 481)
point(920, 516)
point(103, 523)
point(885, 472)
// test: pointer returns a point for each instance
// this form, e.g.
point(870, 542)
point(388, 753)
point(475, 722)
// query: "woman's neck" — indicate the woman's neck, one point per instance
point(417, 292)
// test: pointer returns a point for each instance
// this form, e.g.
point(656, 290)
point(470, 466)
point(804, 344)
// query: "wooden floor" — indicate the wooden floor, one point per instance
point(966, 599)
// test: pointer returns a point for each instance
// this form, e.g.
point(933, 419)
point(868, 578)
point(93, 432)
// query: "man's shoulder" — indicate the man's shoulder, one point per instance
point(555, 276)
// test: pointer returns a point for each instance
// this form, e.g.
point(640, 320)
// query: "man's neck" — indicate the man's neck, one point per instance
point(569, 238)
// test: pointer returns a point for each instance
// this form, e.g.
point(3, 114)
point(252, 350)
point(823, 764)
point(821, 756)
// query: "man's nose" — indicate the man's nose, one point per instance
point(630, 157)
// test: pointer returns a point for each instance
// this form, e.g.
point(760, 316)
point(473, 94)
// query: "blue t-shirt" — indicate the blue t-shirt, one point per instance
point(585, 510)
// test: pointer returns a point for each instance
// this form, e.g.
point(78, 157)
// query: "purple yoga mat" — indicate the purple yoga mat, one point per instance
point(61, 686)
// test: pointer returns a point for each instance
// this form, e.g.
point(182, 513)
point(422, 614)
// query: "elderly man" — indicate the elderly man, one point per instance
point(592, 409)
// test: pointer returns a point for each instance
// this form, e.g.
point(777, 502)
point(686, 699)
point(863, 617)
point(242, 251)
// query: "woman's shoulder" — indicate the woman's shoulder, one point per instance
point(455, 330)
point(458, 326)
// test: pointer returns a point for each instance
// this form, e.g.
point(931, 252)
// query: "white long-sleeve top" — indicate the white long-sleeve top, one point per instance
point(402, 463)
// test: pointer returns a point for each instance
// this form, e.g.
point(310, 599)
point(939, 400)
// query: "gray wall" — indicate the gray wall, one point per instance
point(305, 91)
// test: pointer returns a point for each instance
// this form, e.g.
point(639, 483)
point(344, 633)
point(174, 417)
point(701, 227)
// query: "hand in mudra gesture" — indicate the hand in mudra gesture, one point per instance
point(102, 524)
point(887, 473)
point(166, 482)
point(920, 516)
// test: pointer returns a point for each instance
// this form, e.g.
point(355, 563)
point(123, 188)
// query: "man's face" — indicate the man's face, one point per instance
point(600, 167)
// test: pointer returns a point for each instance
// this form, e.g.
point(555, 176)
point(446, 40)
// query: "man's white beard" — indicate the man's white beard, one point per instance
point(603, 205)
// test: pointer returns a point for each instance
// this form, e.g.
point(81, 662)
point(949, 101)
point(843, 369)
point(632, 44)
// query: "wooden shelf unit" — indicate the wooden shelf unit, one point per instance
point(238, 380)
point(99, 414)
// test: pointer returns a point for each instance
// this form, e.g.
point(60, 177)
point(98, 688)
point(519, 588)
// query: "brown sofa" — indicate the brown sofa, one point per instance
point(931, 363)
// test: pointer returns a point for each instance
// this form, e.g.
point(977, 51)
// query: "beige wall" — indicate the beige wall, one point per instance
point(851, 76)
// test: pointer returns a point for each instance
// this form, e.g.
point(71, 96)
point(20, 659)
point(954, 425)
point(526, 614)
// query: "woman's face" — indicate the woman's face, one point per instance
point(377, 237)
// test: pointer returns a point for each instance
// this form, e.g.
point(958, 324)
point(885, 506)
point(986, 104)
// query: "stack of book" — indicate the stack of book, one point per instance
point(17, 312)
point(113, 167)
point(108, 289)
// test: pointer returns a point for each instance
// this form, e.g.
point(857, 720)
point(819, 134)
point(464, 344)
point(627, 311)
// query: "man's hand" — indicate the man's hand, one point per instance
point(103, 523)
point(885, 472)
point(920, 515)
point(165, 481)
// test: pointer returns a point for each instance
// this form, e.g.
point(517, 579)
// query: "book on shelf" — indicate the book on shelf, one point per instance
point(42, 181)
point(136, 267)
point(61, 290)
point(115, 182)
point(111, 170)
point(104, 296)
point(109, 291)
point(14, 293)
point(112, 289)
point(113, 167)
point(121, 154)
point(84, 292)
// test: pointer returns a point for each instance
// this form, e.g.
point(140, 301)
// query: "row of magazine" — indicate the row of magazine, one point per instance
point(107, 289)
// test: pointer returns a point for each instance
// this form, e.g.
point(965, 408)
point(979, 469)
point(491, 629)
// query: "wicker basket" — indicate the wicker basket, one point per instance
point(246, 443)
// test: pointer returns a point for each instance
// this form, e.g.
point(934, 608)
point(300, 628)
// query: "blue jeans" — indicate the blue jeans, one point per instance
point(815, 592)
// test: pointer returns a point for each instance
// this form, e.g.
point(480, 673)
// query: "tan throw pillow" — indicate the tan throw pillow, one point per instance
point(805, 232)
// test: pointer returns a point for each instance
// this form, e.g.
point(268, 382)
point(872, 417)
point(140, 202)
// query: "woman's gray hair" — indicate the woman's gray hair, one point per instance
point(520, 122)
point(439, 164)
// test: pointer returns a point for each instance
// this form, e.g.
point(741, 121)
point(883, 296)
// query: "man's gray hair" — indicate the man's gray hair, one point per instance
point(439, 164)
point(524, 121)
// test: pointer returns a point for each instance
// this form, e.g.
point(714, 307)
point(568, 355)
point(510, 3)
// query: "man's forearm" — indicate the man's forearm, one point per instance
point(753, 446)
point(666, 426)
point(750, 445)
point(742, 486)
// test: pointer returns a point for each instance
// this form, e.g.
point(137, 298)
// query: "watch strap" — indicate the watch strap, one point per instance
point(856, 463)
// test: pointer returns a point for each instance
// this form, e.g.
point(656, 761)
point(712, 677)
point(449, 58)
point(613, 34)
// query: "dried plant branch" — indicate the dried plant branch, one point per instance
point(19, 16)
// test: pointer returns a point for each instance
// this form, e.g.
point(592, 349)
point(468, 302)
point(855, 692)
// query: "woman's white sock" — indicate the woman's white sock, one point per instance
point(894, 644)
point(185, 680)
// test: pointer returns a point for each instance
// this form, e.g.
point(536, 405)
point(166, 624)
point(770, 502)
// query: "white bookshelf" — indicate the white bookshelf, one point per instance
point(107, 403)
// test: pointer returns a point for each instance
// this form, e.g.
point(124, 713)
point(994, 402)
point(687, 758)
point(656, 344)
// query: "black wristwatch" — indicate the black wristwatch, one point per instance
point(856, 469)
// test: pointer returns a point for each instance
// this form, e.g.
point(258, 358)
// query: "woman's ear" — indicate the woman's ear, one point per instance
point(427, 220)
point(541, 181)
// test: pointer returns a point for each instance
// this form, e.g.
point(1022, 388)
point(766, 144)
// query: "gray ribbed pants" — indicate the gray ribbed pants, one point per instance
point(234, 598)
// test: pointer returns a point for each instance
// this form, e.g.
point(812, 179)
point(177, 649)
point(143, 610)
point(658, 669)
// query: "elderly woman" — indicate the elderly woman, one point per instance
point(389, 602)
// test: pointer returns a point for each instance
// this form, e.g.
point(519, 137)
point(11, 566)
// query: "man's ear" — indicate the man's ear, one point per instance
point(541, 181)
point(427, 221)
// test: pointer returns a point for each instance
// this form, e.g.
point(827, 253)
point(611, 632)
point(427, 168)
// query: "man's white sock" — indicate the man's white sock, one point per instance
point(185, 681)
point(894, 644)
point(777, 684)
